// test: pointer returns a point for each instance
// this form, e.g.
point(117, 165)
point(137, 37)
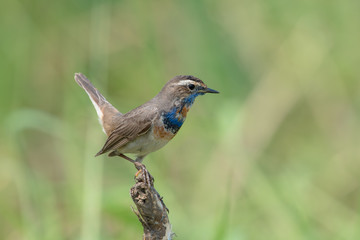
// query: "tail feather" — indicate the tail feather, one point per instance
point(104, 109)
point(93, 93)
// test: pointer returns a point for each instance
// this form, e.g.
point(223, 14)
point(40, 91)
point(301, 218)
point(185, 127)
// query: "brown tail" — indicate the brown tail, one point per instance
point(104, 109)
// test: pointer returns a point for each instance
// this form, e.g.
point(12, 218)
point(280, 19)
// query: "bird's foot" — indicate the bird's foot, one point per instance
point(147, 178)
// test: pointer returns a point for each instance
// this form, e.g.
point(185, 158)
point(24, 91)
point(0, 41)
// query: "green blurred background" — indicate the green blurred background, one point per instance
point(275, 156)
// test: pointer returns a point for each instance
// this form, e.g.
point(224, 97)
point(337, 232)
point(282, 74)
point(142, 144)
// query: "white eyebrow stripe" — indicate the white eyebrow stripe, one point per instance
point(187, 81)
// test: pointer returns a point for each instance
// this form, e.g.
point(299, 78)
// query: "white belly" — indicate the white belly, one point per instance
point(144, 145)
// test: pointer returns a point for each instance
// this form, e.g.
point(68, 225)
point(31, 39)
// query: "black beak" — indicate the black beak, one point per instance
point(209, 90)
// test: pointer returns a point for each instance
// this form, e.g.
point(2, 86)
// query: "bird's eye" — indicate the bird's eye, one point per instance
point(191, 86)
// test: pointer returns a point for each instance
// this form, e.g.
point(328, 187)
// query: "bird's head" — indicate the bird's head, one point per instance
point(185, 88)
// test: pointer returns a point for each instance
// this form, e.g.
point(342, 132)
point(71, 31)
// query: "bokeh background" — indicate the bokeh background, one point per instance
point(275, 156)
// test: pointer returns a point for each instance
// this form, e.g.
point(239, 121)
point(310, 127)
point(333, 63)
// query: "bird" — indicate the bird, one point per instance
point(150, 126)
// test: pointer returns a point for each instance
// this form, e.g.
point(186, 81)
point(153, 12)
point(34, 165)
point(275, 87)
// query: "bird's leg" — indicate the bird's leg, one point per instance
point(138, 165)
point(117, 153)
point(126, 157)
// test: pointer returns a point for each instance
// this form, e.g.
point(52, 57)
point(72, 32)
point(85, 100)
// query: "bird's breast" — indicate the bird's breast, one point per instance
point(160, 133)
point(174, 119)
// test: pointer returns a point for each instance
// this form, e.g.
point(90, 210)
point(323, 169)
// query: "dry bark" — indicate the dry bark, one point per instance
point(151, 210)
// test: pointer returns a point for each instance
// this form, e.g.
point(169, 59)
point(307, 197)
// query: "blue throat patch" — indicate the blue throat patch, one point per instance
point(172, 120)
point(190, 99)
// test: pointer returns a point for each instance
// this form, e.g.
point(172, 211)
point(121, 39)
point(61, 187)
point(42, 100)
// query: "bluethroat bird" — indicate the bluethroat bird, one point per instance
point(150, 126)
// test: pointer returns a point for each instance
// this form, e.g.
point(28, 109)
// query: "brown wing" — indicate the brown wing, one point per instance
point(129, 129)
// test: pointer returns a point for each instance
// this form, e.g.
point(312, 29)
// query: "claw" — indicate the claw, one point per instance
point(137, 173)
point(148, 179)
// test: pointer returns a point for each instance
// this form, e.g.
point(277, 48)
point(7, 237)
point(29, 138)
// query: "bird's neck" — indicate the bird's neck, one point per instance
point(175, 117)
